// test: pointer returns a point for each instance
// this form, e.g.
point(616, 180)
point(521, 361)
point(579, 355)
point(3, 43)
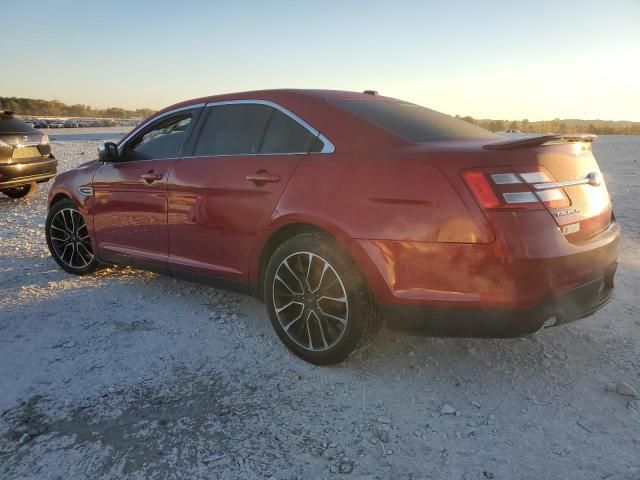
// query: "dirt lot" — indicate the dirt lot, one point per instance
point(130, 374)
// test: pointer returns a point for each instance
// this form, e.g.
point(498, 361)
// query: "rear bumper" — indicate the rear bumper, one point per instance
point(16, 174)
point(564, 307)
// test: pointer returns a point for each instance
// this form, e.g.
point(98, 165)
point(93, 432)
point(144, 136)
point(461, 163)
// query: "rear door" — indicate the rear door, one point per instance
point(130, 208)
point(223, 194)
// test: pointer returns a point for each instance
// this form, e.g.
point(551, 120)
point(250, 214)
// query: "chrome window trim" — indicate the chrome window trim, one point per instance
point(328, 146)
point(144, 125)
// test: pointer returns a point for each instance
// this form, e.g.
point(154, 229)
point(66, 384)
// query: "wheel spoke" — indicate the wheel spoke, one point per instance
point(279, 278)
point(82, 256)
point(60, 230)
point(64, 252)
point(341, 320)
point(310, 261)
point(324, 269)
point(335, 299)
point(309, 331)
point(324, 339)
point(86, 250)
point(280, 309)
point(286, 264)
point(288, 325)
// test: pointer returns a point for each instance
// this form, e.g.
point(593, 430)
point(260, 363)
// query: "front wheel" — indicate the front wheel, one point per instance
point(68, 239)
point(22, 191)
point(318, 302)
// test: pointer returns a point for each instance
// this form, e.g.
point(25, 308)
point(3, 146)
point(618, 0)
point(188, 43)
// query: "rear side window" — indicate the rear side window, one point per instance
point(285, 135)
point(413, 122)
point(233, 130)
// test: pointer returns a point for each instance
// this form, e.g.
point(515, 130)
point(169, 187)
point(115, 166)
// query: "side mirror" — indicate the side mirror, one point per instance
point(108, 152)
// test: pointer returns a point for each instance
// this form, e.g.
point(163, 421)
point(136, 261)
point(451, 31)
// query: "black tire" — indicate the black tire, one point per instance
point(23, 191)
point(326, 326)
point(68, 239)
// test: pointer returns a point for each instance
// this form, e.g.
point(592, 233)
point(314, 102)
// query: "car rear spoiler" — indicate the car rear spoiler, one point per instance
point(524, 142)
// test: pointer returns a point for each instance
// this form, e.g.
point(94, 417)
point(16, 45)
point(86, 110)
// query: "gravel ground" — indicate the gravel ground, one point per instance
point(127, 374)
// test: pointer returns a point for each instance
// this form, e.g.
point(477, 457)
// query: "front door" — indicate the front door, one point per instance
point(130, 208)
point(224, 193)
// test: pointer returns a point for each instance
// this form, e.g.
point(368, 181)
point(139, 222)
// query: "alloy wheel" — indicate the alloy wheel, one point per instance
point(70, 239)
point(310, 301)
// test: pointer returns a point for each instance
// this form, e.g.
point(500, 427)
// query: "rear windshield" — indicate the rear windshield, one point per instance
point(9, 124)
point(414, 122)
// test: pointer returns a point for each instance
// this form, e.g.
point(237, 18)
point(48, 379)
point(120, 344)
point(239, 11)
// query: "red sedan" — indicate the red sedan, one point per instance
point(340, 210)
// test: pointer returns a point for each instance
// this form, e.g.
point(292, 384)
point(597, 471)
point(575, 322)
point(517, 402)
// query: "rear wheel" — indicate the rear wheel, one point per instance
point(22, 191)
point(68, 239)
point(318, 302)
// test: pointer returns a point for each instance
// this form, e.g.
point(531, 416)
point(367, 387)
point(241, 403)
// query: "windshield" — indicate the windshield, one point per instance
point(413, 122)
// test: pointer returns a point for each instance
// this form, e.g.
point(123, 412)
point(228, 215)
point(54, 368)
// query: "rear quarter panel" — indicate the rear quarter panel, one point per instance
point(390, 197)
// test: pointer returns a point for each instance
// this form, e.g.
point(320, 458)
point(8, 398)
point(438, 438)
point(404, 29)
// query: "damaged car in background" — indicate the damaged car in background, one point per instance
point(25, 157)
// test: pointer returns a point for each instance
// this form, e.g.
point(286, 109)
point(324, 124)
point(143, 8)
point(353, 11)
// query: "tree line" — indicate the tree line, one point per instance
point(599, 127)
point(55, 108)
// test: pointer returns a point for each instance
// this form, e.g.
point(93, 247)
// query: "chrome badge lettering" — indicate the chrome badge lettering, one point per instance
point(566, 211)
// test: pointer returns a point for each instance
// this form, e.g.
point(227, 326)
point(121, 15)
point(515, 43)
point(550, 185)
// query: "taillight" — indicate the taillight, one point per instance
point(480, 187)
point(44, 139)
point(513, 189)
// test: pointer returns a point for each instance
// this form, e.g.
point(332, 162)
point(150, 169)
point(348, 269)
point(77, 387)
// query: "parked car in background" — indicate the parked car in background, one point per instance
point(342, 209)
point(71, 124)
point(40, 124)
point(25, 157)
point(56, 124)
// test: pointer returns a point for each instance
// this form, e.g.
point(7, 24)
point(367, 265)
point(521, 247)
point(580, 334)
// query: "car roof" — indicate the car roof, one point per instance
point(274, 94)
point(10, 124)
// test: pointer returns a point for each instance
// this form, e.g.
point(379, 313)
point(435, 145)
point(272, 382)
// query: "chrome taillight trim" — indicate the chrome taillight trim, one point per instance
point(551, 195)
point(520, 197)
point(535, 177)
point(505, 178)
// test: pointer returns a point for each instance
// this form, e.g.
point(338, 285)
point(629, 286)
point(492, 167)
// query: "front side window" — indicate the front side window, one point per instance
point(163, 139)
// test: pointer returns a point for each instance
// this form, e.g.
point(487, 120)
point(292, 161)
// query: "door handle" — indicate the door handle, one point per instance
point(151, 177)
point(261, 177)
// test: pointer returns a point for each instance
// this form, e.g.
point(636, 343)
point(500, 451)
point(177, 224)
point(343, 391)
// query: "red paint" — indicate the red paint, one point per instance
point(402, 210)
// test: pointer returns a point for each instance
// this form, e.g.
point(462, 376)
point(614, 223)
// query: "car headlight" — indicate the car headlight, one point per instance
point(45, 139)
point(4, 144)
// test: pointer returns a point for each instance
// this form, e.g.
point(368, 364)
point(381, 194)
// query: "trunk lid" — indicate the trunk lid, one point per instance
point(23, 147)
point(573, 170)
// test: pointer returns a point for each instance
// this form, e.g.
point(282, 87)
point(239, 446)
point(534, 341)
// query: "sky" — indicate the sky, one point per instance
point(492, 59)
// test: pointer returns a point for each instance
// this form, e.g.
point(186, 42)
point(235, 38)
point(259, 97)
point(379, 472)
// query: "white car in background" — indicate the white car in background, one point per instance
point(511, 131)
